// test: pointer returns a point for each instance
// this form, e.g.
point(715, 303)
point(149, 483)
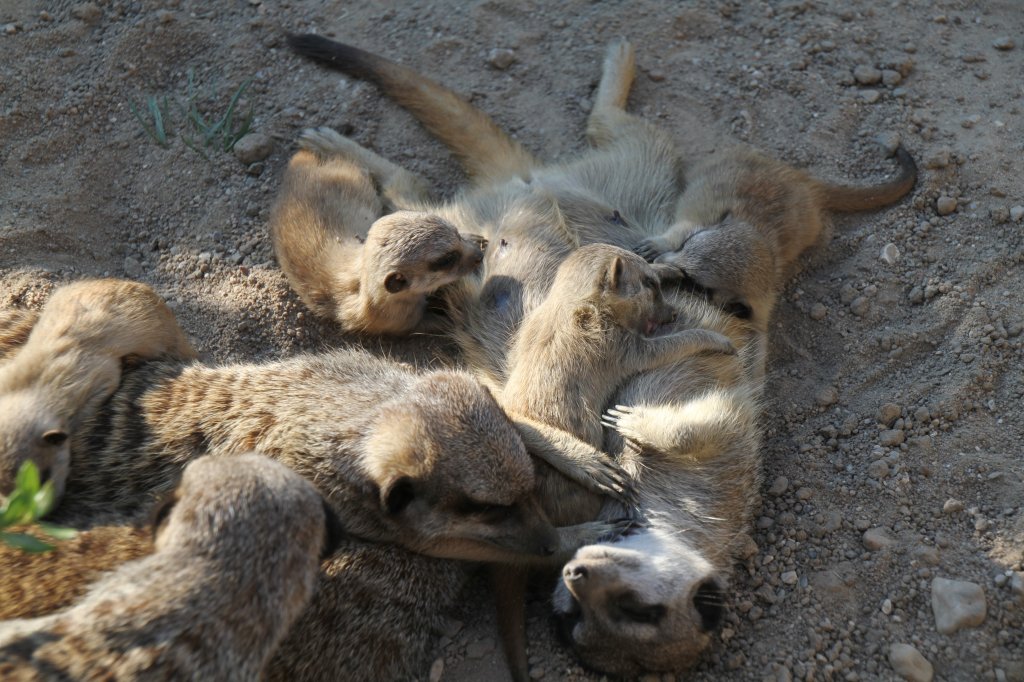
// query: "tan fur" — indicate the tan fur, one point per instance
point(70, 363)
point(744, 219)
point(533, 216)
point(235, 563)
point(347, 260)
point(15, 326)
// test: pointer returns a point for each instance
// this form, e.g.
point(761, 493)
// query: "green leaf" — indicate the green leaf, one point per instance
point(28, 477)
point(44, 500)
point(18, 510)
point(58, 532)
point(25, 542)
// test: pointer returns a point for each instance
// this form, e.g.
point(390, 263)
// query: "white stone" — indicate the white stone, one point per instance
point(909, 663)
point(890, 254)
point(957, 604)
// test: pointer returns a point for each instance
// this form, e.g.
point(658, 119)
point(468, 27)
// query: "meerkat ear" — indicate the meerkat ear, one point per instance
point(738, 309)
point(397, 495)
point(334, 532)
point(162, 511)
point(395, 282)
point(615, 272)
point(586, 316)
point(55, 437)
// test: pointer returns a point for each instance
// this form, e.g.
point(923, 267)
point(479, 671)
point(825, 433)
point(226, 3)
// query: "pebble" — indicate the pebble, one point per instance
point(887, 606)
point(957, 604)
point(501, 58)
point(789, 577)
point(952, 506)
point(804, 494)
point(656, 75)
point(916, 295)
point(1017, 586)
point(870, 96)
point(867, 75)
point(891, 78)
point(1017, 213)
point(890, 254)
point(779, 486)
point(877, 538)
point(480, 648)
point(10, 29)
point(89, 12)
point(1004, 43)
point(827, 396)
point(909, 663)
point(890, 438)
point(939, 159)
point(132, 268)
point(945, 205)
point(860, 306)
point(878, 469)
point(818, 311)
point(889, 141)
point(970, 121)
point(889, 413)
point(436, 670)
point(253, 147)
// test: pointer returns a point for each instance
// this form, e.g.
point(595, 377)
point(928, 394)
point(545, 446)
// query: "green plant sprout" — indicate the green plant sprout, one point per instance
point(199, 131)
point(27, 503)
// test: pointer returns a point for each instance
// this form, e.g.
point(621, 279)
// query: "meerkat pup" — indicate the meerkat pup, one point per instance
point(70, 363)
point(744, 219)
point(347, 260)
point(236, 562)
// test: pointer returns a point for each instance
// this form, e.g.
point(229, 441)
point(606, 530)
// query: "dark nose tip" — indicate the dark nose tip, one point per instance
point(574, 572)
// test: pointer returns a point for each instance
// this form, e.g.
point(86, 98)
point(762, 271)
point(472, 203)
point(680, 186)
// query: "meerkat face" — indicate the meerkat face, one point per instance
point(646, 603)
point(629, 289)
point(731, 264)
point(453, 475)
point(412, 253)
point(29, 431)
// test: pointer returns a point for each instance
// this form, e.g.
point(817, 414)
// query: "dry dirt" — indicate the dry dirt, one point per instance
point(935, 331)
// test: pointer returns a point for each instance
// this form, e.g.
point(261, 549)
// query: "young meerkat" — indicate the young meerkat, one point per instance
point(70, 363)
point(235, 563)
point(370, 272)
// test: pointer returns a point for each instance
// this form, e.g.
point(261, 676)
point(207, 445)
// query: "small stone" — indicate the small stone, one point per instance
point(538, 672)
point(860, 306)
point(870, 96)
point(909, 663)
point(501, 58)
point(890, 438)
point(1017, 586)
point(890, 254)
point(939, 159)
point(132, 268)
point(916, 295)
point(818, 311)
point(779, 486)
point(804, 494)
point(970, 121)
point(891, 77)
point(957, 604)
point(878, 469)
point(867, 75)
point(922, 414)
point(480, 648)
point(436, 670)
point(999, 214)
point(253, 147)
point(656, 75)
point(1017, 214)
point(747, 547)
point(887, 606)
point(827, 396)
point(889, 413)
point(877, 538)
point(945, 205)
point(88, 12)
point(889, 141)
point(165, 16)
point(10, 29)
point(952, 506)
point(1004, 43)
point(789, 577)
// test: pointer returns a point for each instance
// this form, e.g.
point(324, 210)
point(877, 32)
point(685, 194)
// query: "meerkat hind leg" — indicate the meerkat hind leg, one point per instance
point(609, 111)
point(401, 188)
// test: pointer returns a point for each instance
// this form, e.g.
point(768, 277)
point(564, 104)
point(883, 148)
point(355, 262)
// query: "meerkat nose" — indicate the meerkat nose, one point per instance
point(575, 572)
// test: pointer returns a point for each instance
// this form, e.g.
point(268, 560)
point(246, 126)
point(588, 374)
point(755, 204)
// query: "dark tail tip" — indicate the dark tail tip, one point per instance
point(906, 162)
point(339, 56)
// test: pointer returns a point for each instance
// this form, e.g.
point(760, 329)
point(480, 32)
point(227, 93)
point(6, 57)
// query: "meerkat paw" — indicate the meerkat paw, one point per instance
point(603, 531)
point(651, 248)
point(606, 477)
point(713, 342)
point(628, 422)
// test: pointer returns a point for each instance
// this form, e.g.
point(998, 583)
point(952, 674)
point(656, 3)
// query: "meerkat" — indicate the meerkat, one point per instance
point(235, 563)
point(370, 272)
point(70, 363)
point(744, 219)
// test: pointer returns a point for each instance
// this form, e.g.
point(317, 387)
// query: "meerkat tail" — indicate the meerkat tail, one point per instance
point(509, 584)
point(612, 92)
point(485, 151)
point(846, 198)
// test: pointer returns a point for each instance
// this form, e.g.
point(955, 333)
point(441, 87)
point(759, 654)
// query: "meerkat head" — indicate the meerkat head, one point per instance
point(453, 476)
point(29, 430)
point(732, 264)
point(624, 287)
point(411, 253)
point(646, 603)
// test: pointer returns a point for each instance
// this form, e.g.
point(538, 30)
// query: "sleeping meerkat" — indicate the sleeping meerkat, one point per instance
point(348, 261)
point(744, 219)
point(70, 363)
point(236, 560)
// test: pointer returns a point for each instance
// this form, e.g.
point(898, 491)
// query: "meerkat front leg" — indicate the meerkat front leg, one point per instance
point(400, 187)
point(576, 459)
point(658, 351)
point(668, 241)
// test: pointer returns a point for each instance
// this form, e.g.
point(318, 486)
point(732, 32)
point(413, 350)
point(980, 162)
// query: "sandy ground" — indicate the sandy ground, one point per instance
point(894, 384)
